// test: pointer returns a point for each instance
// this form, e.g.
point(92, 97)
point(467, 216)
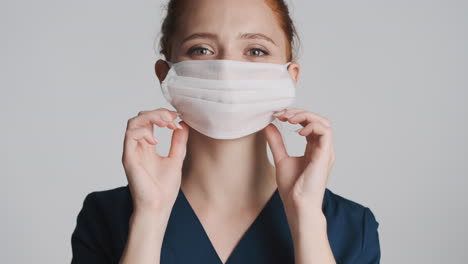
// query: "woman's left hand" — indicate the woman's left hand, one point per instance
point(302, 180)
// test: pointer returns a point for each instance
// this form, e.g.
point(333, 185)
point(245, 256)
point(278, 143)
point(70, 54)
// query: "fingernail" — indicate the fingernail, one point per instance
point(279, 113)
point(289, 115)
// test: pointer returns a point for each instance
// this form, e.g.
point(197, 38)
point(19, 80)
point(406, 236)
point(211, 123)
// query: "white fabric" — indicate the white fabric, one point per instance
point(226, 99)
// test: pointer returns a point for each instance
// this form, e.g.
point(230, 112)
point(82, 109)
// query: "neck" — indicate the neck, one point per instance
point(228, 173)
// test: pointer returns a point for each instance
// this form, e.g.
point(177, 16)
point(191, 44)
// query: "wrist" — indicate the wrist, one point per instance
point(152, 209)
point(156, 216)
point(303, 221)
point(304, 211)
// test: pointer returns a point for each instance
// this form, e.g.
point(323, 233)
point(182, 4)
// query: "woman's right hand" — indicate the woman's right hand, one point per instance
point(154, 180)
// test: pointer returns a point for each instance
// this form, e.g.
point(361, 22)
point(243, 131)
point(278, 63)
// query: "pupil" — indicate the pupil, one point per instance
point(256, 52)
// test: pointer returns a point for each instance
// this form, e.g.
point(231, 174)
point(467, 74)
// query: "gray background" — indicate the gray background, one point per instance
point(391, 75)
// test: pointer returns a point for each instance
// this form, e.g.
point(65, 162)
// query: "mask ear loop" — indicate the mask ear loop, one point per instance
point(286, 127)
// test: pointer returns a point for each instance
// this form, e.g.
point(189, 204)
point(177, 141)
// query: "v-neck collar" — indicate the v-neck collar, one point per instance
point(267, 240)
point(249, 228)
point(185, 226)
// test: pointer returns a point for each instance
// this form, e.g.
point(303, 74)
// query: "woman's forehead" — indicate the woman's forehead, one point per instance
point(229, 19)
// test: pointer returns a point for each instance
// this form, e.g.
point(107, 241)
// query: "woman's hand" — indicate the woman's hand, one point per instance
point(302, 180)
point(154, 180)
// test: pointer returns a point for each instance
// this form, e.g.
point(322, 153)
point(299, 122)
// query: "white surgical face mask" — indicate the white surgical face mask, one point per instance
point(227, 99)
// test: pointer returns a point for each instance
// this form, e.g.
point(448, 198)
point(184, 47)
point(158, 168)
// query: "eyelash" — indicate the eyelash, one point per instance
point(264, 52)
point(192, 50)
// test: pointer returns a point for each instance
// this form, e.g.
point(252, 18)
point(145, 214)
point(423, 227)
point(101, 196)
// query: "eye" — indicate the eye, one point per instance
point(256, 52)
point(198, 51)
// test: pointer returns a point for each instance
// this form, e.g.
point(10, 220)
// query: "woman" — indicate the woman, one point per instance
point(215, 200)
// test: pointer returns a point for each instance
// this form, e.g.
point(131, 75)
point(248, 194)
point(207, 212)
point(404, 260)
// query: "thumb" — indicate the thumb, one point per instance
point(275, 141)
point(179, 142)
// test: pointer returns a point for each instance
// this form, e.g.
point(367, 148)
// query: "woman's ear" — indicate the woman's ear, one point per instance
point(294, 70)
point(161, 68)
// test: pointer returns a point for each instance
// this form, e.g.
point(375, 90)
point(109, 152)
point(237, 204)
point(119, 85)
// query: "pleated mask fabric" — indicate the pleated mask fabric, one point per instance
point(227, 99)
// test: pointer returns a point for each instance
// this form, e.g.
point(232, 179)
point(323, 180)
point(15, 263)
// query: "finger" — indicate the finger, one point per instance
point(306, 117)
point(162, 117)
point(134, 135)
point(276, 143)
point(317, 129)
point(170, 116)
point(179, 142)
point(303, 117)
point(285, 113)
point(289, 110)
point(164, 112)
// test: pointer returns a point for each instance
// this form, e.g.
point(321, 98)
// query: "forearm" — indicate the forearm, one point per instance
point(310, 238)
point(146, 233)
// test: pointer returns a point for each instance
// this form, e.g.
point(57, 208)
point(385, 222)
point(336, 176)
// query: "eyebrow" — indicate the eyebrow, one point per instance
point(256, 36)
point(241, 36)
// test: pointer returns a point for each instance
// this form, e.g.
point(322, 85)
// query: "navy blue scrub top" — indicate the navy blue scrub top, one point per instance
point(102, 227)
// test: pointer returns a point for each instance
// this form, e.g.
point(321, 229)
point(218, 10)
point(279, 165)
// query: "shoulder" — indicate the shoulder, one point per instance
point(101, 226)
point(335, 205)
point(108, 198)
point(352, 228)
point(109, 203)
